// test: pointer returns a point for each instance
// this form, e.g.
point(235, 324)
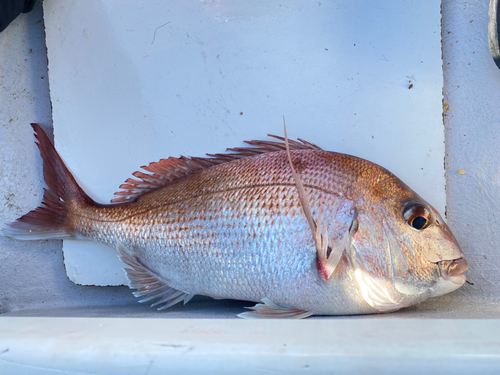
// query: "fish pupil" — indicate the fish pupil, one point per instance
point(419, 222)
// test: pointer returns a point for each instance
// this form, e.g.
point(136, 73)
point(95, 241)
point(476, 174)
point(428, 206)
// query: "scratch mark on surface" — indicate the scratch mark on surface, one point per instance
point(173, 345)
point(149, 366)
point(4, 351)
point(25, 366)
point(159, 27)
point(269, 370)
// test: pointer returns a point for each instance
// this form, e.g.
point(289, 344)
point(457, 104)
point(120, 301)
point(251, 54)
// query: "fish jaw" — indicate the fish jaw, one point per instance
point(453, 271)
point(444, 286)
point(450, 277)
point(422, 293)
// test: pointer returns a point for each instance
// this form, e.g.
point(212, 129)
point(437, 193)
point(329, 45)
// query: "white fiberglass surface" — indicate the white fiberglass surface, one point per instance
point(150, 346)
point(133, 82)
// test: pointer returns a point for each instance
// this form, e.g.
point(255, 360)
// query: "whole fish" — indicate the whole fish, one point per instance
point(299, 230)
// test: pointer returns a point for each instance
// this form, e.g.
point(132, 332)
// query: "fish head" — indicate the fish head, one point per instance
point(403, 252)
point(434, 239)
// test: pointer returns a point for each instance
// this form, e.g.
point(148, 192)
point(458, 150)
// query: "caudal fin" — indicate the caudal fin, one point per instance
point(49, 221)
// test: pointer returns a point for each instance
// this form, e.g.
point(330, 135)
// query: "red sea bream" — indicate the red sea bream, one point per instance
point(301, 231)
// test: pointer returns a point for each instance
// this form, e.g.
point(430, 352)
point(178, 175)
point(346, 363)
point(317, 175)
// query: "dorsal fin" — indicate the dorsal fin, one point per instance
point(165, 171)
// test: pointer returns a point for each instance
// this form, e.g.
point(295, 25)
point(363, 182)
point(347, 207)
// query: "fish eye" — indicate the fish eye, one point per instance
point(417, 216)
point(419, 222)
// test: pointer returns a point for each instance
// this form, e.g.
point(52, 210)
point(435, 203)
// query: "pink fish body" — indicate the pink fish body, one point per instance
point(339, 236)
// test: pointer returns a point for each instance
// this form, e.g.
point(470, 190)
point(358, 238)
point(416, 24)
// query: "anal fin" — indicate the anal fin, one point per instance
point(148, 284)
point(270, 310)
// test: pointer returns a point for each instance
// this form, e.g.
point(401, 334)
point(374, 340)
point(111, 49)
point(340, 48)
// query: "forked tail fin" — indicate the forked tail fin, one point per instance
point(49, 221)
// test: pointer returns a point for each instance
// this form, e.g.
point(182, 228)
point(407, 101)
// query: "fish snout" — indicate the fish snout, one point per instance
point(453, 270)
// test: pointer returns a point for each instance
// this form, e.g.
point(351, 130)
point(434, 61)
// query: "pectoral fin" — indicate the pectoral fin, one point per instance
point(329, 247)
point(269, 310)
point(342, 229)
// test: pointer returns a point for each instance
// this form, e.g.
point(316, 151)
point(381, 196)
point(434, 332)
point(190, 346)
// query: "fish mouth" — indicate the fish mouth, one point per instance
point(453, 270)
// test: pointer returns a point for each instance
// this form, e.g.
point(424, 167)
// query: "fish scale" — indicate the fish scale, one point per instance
point(305, 231)
point(271, 248)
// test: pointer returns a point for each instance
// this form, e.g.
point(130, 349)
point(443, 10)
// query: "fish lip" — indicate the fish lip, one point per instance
point(453, 270)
